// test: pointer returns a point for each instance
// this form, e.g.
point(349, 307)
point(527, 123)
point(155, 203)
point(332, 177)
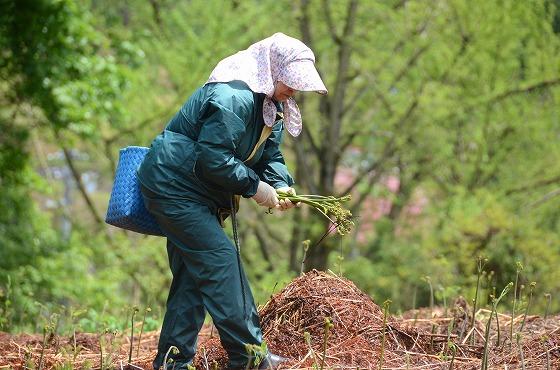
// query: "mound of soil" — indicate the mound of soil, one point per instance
point(323, 320)
point(356, 339)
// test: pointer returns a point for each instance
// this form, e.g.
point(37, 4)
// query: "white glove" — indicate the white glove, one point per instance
point(286, 204)
point(266, 196)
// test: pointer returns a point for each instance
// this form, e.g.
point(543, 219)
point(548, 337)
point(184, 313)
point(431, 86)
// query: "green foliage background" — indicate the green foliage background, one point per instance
point(457, 99)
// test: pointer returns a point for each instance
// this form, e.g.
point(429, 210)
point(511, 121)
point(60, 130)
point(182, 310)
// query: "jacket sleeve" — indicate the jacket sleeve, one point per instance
point(271, 167)
point(223, 123)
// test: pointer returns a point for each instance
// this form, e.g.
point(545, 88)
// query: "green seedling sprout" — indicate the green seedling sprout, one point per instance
point(548, 298)
point(429, 281)
point(257, 354)
point(307, 338)
point(498, 332)
point(134, 311)
point(545, 338)
point(495, 302)
point(448, 342)
point(518, 270)
point(386, 305)
point(146, 311)
point(101, 347)
point(531, 288)
point(327, 327)
point(453, 354)
point(306, 244)
point(480, 263)
point(46, 330)
point(28, 358)
point(172, 350)
point(520, 347)
point(328, 206)
point(339, 260)
point(490, 282)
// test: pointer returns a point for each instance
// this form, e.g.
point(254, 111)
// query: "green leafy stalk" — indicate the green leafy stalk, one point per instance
point(531, 288)
point(307, 338)
point(495, 302)
point(329, 206)
point(479, 268)
point(148, 309)
point(518, 270)
point(306, 244)
point(454, 353)
point(548, 297)
point(386, 305)
point(134, 311)
point(43, 345)
point(521, 354)
point(327, 327)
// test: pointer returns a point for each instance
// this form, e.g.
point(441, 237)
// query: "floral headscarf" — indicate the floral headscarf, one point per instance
point(276, 58)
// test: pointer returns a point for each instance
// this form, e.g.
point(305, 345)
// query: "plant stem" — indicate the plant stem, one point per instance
point(148, 309)
point(328, 326)
point(519, 268)
point(480, 262)
point(101, 350)
point(307, 338)
point(43, 345)
point(521, 354)
point(495, 302)
point(548, 297)
point(454, 352)
point(531, 287)
point(497, 329)
point(386, 305)
point(134, 310)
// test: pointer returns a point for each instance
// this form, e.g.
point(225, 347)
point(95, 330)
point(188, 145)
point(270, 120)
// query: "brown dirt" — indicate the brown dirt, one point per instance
point(416, 340)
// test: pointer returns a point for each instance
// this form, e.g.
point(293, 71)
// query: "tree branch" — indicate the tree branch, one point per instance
point(263, 245)
point(131, 130)
point(523, 90)
point(332, 135)
point(77, 177)
point(410, 63)
point(330, 24)
point(316, 150)
point(502, 96)
point(544, 198)
point(537, 184)
point(390, 147)
point(304, 24)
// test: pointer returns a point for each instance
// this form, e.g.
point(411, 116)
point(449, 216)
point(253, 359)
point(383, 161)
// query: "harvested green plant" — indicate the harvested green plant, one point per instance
point(329, 206)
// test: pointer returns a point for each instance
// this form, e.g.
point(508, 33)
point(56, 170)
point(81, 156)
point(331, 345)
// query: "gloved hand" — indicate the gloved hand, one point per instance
point(266, 196)
point(286, 204)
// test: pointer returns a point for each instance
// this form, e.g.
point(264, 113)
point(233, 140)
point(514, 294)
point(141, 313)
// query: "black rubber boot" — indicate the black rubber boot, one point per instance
point(272, 361)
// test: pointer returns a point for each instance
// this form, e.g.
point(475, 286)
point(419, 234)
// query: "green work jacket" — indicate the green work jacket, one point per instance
point(201, 152)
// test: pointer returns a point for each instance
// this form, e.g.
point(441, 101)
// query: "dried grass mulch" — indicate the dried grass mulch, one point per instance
point(358, 338)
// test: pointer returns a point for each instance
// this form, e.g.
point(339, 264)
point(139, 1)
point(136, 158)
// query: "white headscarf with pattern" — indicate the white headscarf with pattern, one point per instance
point(276, 58)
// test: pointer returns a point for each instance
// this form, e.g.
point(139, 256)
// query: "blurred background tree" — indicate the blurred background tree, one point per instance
point(441, 121)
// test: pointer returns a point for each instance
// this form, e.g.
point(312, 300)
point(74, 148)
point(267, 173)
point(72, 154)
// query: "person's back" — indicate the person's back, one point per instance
point(170, 168)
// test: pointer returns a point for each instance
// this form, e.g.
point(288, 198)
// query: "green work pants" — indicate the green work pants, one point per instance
point(206, 277)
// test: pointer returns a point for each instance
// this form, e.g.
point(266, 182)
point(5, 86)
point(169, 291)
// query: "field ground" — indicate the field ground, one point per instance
point(419, 339)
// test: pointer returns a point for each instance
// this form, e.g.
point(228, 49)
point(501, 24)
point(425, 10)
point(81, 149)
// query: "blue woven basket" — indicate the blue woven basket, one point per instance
point(126, 207)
